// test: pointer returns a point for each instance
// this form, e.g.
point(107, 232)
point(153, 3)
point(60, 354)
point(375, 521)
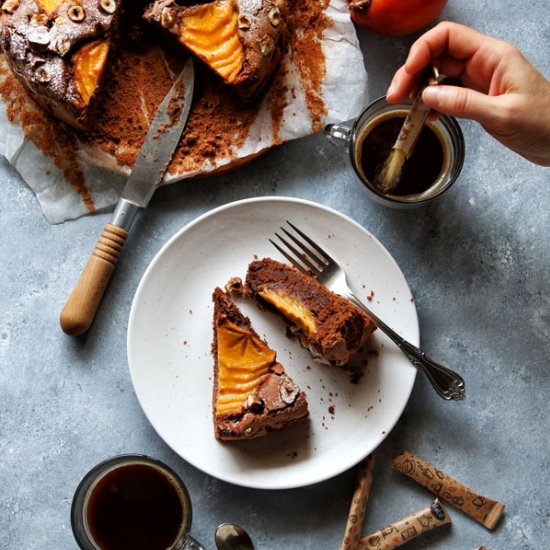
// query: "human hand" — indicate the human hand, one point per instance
point(501, 89)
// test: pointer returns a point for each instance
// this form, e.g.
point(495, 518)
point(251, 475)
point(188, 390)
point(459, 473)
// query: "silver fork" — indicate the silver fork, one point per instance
point(322, 267)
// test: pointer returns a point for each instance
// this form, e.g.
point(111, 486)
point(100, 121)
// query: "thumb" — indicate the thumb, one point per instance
point(461, 102)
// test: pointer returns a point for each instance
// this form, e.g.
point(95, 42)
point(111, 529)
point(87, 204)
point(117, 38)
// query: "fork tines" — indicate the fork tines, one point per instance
point(308, 259)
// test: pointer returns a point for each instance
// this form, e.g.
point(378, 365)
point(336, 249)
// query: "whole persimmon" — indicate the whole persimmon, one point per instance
point(395, 17)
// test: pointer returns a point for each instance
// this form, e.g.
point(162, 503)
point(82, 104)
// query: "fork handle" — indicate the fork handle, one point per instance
point(447, 383)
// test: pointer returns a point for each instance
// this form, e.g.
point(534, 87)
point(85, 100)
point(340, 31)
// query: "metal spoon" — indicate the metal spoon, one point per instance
point(232, 537)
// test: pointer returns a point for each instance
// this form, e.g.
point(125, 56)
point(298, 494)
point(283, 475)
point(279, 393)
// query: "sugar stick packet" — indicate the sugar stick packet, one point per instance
point(483, 509)
point(403, 530)
point(365, 475)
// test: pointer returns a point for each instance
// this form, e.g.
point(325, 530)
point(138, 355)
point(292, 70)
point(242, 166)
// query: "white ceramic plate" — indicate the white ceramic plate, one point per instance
point(170, 336)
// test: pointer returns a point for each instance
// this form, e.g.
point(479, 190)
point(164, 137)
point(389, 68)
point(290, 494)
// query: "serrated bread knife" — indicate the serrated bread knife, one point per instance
point(158, 148)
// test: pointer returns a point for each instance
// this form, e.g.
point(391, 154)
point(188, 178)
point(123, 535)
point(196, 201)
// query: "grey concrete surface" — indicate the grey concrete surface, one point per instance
point(477, 262)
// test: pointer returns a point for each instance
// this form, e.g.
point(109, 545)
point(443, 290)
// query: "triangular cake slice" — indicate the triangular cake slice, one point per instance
point(328, 325)
point(252, 393)
point(60, 48)
point(240, 40)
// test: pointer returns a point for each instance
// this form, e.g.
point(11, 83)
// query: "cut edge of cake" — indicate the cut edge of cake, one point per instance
point(328, 325)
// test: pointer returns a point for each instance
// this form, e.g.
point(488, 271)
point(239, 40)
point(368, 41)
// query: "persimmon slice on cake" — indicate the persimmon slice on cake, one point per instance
point(60, 50)
point(240, 40)
point(328, 325)
point(252, 395)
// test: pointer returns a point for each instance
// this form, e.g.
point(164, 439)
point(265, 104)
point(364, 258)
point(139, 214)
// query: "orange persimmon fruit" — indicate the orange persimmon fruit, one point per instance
point(395, 17)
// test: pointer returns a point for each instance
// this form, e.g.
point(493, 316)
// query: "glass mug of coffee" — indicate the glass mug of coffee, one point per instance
point(433, 167)
point(132, 501)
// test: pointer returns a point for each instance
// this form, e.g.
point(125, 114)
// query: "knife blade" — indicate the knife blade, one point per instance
point(151, 164)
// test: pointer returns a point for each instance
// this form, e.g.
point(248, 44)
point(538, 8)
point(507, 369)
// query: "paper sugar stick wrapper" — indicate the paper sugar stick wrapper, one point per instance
point(358, 506)
point(403, 530)
point(483, 509)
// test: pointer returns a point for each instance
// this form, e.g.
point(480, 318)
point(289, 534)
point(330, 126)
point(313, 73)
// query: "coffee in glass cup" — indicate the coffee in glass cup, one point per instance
point(132, 501)
point(434, 165)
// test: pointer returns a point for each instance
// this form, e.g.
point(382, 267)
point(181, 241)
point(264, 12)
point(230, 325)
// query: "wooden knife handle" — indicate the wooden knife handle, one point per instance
point(79, 311)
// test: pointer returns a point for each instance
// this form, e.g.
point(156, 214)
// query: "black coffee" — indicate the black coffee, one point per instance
point(135, 507)
point(420, 172)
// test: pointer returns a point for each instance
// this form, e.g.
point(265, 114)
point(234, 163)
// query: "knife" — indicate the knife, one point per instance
point(158, 148)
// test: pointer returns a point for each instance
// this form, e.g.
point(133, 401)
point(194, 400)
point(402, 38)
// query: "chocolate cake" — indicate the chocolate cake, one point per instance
point(252, 393)
point(328, 325)
point(60, 49)
point(241, 40)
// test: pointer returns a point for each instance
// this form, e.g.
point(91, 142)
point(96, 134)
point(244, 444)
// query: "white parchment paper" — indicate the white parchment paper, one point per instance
point(344, 93)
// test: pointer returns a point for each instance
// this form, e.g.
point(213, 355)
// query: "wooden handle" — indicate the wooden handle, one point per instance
point(80, 309)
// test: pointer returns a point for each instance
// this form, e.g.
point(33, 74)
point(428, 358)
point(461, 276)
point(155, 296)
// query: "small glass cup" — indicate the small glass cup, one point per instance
point(80, 506)
point(348, 135)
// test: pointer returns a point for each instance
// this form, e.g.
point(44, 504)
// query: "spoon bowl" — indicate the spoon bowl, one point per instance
point(232, 537)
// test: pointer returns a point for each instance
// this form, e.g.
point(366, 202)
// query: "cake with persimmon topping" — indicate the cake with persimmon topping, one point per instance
point(240, 40)
point(328, 325)
point(252, 395)
point(60, 48)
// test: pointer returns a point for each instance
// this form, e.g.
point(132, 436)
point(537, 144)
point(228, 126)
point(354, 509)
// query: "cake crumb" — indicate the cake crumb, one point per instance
point(234, 286)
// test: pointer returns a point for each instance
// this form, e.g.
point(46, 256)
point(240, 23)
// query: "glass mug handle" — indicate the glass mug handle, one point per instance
point(339, 135)
point(187, 543)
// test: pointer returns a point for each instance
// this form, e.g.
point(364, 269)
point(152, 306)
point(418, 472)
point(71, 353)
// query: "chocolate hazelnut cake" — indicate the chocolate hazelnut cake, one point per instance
point(60, 49)
point(240, 40)
point(328, 325)
point(252, 393)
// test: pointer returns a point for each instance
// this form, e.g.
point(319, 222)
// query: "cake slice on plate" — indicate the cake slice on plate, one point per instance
point(60, 49)
point(328, 325)
point(240, 40)
point(252, 393)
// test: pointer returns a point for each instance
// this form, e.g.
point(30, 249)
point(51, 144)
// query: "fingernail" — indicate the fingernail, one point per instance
point(432, 95)
point(391, 89)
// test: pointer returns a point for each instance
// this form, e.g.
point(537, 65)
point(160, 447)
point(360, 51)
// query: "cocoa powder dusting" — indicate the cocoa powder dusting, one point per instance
point(309, 20)
point(49, 135)
point(277, 98)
